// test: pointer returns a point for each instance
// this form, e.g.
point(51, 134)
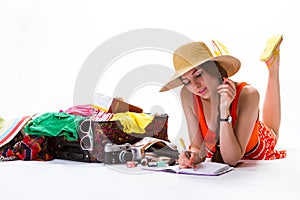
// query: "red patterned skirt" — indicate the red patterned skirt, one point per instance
point(265, 148)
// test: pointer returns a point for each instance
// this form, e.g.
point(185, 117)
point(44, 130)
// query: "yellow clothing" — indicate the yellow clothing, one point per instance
point(133, 122)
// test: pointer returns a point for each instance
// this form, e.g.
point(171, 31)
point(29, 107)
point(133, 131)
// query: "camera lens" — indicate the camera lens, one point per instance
point(125, 156)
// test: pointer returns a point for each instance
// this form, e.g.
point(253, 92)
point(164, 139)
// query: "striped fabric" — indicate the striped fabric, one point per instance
point(100, 115)
point(11, 128)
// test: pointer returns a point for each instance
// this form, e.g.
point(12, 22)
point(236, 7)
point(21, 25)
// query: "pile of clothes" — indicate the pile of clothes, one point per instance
point(37, 137)
point(28, 137)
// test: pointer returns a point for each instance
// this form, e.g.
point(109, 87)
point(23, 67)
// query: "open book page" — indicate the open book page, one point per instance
point(204, 169)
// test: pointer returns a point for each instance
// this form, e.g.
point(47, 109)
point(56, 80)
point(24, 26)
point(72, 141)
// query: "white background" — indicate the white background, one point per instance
point(43, 45)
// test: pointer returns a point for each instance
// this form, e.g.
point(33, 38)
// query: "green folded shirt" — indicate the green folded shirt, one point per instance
point(55, 124)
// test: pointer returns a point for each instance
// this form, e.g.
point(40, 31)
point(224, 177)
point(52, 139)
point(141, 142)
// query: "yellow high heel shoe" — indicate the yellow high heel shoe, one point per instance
point(219, 48)
point(271, 48)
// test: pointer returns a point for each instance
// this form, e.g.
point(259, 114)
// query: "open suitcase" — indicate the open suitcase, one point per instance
point(90, 147)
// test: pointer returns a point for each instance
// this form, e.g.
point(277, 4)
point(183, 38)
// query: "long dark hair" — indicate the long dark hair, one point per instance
point(215, 69)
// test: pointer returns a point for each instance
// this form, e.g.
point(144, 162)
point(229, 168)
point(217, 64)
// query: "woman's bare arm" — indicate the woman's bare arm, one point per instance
point(196, 139)
point(233, 141)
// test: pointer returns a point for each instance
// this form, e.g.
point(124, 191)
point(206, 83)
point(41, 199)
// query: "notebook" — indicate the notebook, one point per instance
point(203, 169)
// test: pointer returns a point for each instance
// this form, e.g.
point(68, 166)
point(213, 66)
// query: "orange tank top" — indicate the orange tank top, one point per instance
point(209, 136)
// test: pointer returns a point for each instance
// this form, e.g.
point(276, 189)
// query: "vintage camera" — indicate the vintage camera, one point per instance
point(116, 154)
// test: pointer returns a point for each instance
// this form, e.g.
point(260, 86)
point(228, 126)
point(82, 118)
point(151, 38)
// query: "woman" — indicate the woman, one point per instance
point(223, 115)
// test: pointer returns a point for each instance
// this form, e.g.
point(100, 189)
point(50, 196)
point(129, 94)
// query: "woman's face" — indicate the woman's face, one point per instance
point(200, 82)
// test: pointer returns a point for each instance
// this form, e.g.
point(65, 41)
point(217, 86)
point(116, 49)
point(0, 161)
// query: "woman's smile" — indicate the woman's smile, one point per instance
point(202, 91)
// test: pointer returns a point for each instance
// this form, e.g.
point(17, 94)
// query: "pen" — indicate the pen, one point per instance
point(186, 152)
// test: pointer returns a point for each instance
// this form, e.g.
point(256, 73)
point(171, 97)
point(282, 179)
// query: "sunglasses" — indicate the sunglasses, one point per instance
point(86, 135)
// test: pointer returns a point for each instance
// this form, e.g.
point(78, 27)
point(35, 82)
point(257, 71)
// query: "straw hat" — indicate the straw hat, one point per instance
point(9, 129)
point(194, 54)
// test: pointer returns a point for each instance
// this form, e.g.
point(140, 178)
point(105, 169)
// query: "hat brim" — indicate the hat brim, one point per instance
point(11, 128)
point(230, 64)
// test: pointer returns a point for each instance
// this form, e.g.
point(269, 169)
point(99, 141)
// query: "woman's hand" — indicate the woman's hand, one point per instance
point(227, 92)
point(185, 162)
